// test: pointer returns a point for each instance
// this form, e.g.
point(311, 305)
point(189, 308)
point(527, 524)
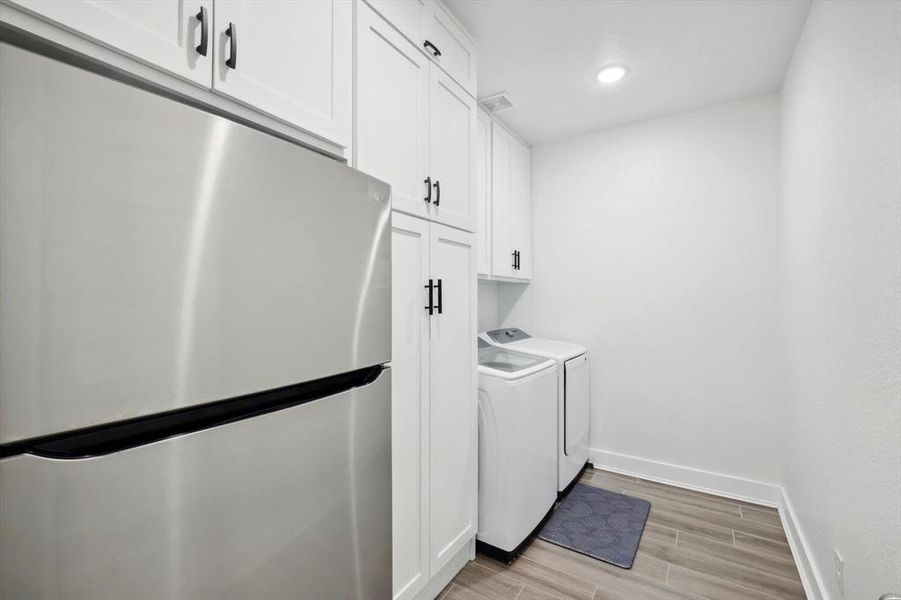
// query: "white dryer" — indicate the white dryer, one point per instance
point(573, 400)
point(517, 447)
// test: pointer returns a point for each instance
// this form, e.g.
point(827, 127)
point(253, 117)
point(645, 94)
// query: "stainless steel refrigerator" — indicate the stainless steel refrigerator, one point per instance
point(194, 343)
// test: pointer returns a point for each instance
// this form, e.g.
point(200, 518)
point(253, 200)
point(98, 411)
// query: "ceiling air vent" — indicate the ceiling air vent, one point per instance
point(497, 102)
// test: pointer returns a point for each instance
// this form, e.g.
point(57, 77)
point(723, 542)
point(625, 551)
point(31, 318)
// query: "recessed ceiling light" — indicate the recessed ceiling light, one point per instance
point(612, 73)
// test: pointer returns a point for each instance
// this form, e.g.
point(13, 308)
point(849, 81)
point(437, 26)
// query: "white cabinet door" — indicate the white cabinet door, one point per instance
point(409, 404)
point(292, 60)
point(407, 16)
point(511, 205)
point(483, 193)
point(452, 144)
point(453, 454)
point(501, 204)
point(521, 208)
point(164, 34)
point(392, 111)
point(450, 46)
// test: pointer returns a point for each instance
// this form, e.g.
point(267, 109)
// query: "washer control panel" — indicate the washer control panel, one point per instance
point(506, 336)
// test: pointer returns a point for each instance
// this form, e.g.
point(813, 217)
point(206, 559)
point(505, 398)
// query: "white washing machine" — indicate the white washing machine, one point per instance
point(517, 447)
point(573, 406)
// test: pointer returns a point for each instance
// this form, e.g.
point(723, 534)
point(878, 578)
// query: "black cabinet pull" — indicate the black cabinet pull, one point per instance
point(440, 303)
point(514, 260)
point(518, 260)
point(232, 33)
point(204, 32)
point(428, 189)
point(435, 51)
point(437, 192)
point(431, 306)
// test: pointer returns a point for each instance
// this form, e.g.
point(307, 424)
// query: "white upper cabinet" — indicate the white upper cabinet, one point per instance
point(415, 126)
point(521, 209)
point(168, 35)
point(511, 206)
point(291, 60)
point(392, 101)
point(434, 31)
point(502, 258)
point(450, 46)
point(452, 145)
point(483, 193)
point(408, 16)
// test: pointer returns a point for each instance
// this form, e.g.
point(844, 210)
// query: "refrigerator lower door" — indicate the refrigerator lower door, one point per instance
point(290, 504)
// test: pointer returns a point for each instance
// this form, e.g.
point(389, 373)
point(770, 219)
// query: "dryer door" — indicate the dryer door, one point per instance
point(576, 407)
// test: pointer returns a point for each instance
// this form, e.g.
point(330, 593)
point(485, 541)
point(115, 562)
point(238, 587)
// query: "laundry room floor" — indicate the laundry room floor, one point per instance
point(694, 545)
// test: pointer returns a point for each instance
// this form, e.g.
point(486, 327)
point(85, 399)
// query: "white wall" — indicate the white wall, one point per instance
point(842, 209)
point(487, 305)
point(656, 245)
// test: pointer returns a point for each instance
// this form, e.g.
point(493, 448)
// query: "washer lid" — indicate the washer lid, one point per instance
point(504, 363)
point(550, 348)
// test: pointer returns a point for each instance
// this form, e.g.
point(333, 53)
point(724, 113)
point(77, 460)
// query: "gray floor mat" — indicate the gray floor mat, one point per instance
point(599, 523)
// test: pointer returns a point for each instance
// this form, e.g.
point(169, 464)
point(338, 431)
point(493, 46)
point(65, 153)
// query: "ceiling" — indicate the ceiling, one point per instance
point(681, 55)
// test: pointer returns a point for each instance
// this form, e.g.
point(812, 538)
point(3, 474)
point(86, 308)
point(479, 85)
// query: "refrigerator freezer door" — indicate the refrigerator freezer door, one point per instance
point(154, 256)
point(291, 504)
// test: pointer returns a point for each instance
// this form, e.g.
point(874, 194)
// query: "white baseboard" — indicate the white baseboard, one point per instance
point(738, 488)
point(729, 486)
point(811, 577)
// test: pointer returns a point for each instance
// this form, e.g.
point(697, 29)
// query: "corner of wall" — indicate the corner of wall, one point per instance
point(728, 486)
point(811, 578)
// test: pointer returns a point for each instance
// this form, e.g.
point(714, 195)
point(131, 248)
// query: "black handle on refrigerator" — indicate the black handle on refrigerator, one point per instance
point(428, 189)
point(440, 303)
point(116, 436)
point(437, 192)
point(431, 305)
point(204, 32)
point(232, 33)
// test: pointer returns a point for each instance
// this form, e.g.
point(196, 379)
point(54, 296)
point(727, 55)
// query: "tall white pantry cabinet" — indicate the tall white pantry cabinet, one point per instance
point(415, 128)
point(434, 419)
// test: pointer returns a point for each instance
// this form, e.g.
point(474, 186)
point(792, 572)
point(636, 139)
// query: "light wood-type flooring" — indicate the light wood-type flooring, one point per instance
point(694, 545)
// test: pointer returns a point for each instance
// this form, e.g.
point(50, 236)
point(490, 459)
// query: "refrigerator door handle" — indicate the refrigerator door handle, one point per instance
point(113, 437)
